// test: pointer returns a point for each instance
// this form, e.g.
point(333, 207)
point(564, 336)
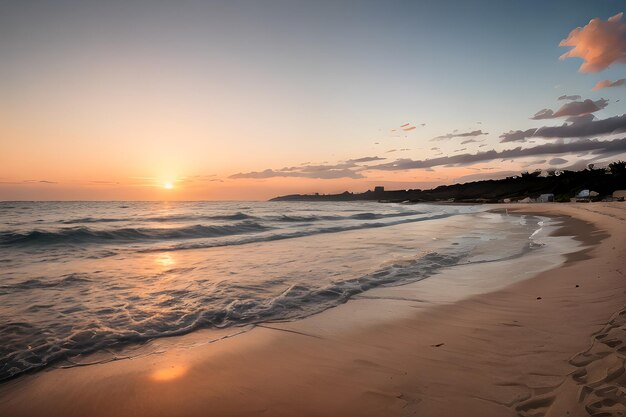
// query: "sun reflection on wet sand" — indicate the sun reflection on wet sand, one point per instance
point(169, 373)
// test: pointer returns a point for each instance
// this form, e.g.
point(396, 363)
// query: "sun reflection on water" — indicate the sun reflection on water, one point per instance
point(165, 259)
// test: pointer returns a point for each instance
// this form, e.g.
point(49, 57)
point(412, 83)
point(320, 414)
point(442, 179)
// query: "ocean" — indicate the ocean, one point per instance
point(83, 277)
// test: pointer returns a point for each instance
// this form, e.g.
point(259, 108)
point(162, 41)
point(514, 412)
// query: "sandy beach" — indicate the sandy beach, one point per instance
point(537, 336)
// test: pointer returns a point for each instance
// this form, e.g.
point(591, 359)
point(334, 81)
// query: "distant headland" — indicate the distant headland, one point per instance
point(590, 184)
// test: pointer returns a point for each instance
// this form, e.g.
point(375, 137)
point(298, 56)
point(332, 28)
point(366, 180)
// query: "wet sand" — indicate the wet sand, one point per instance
point(499, 339)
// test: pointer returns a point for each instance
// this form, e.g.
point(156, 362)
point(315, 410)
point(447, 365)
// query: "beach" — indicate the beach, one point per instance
point(537, 335)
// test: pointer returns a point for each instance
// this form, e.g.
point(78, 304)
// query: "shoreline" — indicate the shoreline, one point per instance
point(386, 352)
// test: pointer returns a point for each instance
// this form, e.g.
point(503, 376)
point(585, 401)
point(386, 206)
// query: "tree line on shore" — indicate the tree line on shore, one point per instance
point(563, 184)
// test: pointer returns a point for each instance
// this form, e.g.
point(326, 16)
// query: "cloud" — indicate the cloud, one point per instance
point(609, 84)
point(574, 108)
point(599, 44)
point(320, 172)
point(365, 159)
point(581, 126)
point(584, 145)
point(585, 118)
point(566, 97)
point(470, 141)
point(460, 135)
point(39, 182)
point(346, 169)
point(558, 161)
point(517, 135)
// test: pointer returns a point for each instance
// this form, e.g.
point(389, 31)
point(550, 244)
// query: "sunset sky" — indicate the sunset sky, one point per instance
point(246, 100)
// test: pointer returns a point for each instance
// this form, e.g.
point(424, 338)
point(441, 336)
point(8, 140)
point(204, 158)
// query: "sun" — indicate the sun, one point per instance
point(168, 185)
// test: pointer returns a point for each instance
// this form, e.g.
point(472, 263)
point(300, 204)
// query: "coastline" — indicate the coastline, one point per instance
point(410, 350)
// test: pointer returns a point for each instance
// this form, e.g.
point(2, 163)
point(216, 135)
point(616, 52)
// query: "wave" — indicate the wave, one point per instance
point(358, 216)
point(76, 235)
point(374, 216)
point(66, 281)
point(170, 218)
point(243, 216)
point(232, 305)
point(291, 235)
point(86, 234)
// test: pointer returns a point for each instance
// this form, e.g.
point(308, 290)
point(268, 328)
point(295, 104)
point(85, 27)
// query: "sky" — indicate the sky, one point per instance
point(246, 100)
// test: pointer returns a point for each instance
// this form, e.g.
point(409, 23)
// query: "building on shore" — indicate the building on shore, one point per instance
point(585, 196)
point(619, 195)
point(546, 198)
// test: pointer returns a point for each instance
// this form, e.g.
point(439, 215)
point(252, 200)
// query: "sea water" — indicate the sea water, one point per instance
point(82, 277)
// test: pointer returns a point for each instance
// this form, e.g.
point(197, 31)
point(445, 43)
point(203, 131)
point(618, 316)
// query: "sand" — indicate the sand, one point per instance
point(534, 336)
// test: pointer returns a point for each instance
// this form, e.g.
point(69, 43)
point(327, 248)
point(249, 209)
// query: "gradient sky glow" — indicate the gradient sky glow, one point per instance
point(112, 99)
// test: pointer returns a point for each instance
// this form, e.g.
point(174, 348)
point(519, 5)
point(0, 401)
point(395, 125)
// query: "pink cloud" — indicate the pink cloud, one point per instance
point(609, 84)
point(600, 44)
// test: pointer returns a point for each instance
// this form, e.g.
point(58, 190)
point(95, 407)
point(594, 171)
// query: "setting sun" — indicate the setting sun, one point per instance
point(168, 185)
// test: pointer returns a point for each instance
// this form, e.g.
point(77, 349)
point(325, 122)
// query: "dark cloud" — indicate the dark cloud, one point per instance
point(460, 135)
point(583, 145)
point(39, 182)
point(609, 84)
point(365, 159)
point(328, 173)
point(574, 108)
point(558, 161)
point(347, 169)
point(566, 97)
point(470, 141)
point(582, 126)
point(517, 135)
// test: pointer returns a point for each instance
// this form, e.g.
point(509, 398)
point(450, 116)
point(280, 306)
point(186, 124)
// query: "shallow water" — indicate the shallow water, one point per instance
point(79, 277)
